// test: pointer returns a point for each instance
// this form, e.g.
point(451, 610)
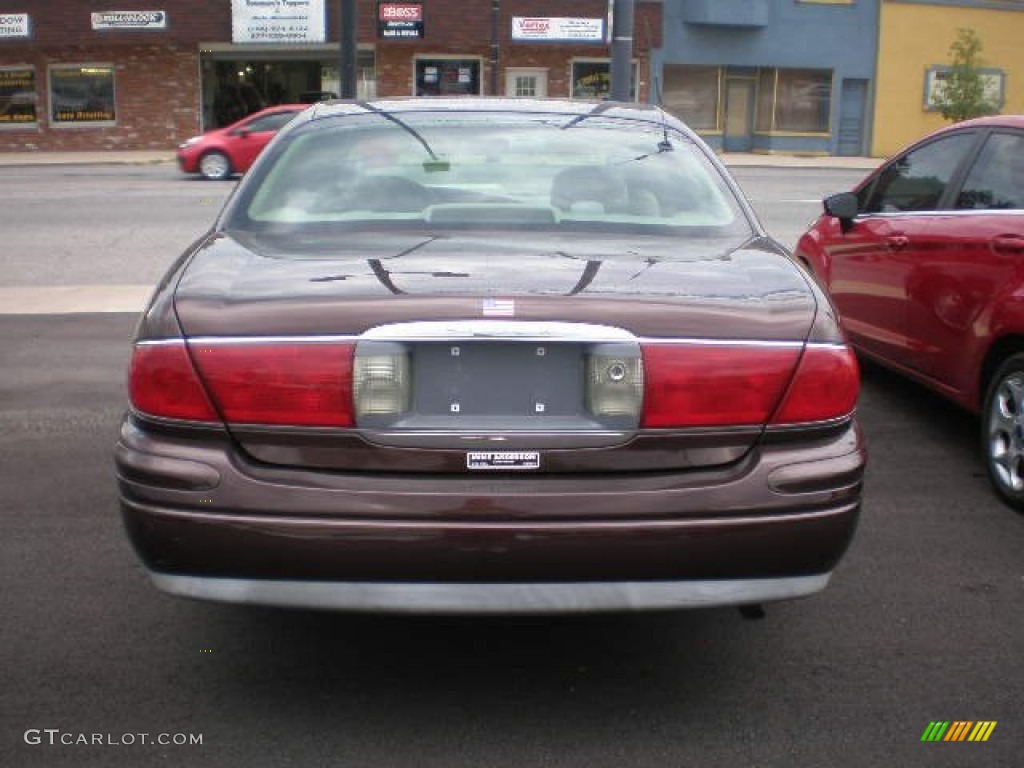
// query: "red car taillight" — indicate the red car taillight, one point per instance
point(708, 386)
point(312, 383)
point(719, 386)
point(825, 386)
point(298, 384)
point(162, 382)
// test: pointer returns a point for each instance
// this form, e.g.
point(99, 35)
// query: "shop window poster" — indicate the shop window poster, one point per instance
point(17, 96)
point(82, 94)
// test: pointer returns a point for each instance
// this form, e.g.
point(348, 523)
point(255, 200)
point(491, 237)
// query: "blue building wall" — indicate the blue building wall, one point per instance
point(744, 36)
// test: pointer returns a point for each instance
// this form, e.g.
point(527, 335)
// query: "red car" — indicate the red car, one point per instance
point(220, 153)
point(924, 261)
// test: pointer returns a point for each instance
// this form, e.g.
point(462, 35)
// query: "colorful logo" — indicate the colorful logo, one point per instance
point(958, 730)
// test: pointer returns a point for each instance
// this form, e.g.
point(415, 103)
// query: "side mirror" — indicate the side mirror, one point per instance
point(242, 133)
point(844, 207)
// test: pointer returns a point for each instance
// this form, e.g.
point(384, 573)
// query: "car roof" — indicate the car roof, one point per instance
point(483, 104)
point(277, 107)
point(615, 109)
point(1011, 121)
point(991, 121)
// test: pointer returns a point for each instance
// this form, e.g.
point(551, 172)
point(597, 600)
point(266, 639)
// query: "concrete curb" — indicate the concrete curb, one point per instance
point(113, 157)
point(830, 162)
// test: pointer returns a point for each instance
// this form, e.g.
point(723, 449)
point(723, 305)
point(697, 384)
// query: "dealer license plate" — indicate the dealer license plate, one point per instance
point(503, 460)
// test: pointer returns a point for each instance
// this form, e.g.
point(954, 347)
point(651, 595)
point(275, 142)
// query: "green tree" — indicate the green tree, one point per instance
point(962, 93)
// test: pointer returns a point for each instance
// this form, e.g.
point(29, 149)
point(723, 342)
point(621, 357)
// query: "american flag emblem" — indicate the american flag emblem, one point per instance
point(499, 308)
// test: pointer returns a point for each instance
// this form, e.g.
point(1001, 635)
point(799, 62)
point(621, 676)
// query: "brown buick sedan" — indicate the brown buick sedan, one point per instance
point(486, 355)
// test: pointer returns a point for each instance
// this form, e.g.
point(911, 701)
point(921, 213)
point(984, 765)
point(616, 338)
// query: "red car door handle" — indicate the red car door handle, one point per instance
point(898, 242)
point(1008, 244)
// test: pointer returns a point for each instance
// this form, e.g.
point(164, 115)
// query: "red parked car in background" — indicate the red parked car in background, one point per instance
point(925, 262)
point(223, 152)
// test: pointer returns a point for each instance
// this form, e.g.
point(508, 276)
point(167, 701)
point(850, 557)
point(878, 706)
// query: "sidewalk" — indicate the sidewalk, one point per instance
point(108, 157)
point(751, 159)
point(164, 157)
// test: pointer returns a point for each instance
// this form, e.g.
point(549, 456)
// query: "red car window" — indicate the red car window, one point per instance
point(997, 179)
point(917, 180)
point(274, 122)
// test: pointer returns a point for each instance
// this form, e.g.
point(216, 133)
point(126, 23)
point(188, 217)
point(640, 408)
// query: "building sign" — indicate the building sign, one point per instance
point(13, 25)
point(993, 83)
point(17, 96)
point(400, 21)
point(572, 30)
point(447, 77)
point(129, 20)
point(278, 21)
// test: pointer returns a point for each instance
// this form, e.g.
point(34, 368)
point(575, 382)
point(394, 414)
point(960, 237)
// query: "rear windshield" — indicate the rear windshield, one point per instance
point(443, 170)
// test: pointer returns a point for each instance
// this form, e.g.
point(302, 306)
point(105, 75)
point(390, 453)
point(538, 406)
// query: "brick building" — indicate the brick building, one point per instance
point(145, 74)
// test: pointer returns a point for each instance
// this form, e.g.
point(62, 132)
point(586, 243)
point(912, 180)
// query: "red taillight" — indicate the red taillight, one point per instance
point(713, 386)
point(162, 382)
point(693, 385)
point(825, 386)
point(292, 383)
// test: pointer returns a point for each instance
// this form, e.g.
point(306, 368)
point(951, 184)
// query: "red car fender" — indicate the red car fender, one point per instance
point(810, 251)
point(1001, 320)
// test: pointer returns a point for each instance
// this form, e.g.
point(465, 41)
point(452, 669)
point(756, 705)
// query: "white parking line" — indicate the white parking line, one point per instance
point(69, 299)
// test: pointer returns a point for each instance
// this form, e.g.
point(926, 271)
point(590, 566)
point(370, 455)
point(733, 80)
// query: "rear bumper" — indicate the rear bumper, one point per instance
point(283, 547)
point(503, 598)
point(209, 524)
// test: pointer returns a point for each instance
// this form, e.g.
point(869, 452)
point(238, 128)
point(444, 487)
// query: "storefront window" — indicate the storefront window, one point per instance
point(766, 80)
point(447, 77)
point(235, 87)
point(17, 97)
point(525, 86)
point(593, 80)
point(693, 94)
point(82, 94)
point(794, 100)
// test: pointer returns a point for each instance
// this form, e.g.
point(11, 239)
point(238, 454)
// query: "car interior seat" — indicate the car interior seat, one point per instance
point(390, 194)
point(589, 189)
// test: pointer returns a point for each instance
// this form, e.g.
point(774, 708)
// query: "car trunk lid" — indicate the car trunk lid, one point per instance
point(497, 334)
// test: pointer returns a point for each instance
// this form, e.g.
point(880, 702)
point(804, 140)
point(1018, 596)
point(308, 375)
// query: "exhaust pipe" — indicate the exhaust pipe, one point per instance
point(752, 612)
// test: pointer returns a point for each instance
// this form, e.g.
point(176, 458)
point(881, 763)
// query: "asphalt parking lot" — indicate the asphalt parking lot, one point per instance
point(924, 619)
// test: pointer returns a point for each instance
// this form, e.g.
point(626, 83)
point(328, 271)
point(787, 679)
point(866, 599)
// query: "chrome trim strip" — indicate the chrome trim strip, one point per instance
point(159, 342)
point(495, 598)
point(518, 330)
point(623, 336)
point(583, 527)
point(837, 346)
point(758, 343)
point(940, 212)
point(325, 339)
point(803, 426)
point(470, 434)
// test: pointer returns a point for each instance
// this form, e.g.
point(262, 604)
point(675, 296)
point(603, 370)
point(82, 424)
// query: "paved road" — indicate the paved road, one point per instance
point(99, 225)
point(924, 619)
point(788, 199)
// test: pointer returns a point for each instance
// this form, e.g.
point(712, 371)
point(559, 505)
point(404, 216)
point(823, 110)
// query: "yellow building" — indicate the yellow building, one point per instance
point(913, 45)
